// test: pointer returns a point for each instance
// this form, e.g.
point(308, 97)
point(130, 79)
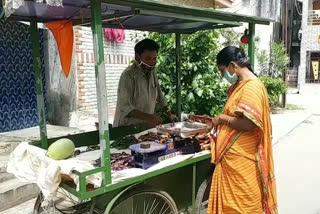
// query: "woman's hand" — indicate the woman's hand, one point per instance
point(213, 123)
point(216, 121)
point(222, 119)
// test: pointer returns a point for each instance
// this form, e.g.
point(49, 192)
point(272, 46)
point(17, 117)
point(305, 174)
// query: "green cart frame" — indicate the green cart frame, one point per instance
point(183, 186)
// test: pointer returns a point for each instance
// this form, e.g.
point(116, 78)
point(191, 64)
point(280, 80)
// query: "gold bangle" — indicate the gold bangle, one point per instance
point(228, 122)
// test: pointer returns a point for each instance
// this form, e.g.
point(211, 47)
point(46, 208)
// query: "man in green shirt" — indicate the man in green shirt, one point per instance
point(139, 91)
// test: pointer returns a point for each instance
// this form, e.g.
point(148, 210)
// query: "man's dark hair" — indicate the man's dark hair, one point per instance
point(146, 44)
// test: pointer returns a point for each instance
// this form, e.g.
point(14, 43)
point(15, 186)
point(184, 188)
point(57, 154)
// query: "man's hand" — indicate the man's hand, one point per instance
point(153, 120)
point(173, 118)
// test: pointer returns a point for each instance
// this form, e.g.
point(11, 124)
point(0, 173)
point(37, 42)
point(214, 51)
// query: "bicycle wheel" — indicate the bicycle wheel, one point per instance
point(202, 198)
point(63, 203)
point(145, 202)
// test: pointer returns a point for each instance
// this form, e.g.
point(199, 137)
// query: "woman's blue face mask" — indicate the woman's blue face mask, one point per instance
point(230, 78)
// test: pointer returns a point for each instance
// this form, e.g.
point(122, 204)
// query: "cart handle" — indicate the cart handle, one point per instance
point(83, 177)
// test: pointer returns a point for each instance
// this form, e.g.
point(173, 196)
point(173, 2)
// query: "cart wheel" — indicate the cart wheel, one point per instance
point(63, 203)
point(202, 198)
point(149, 201)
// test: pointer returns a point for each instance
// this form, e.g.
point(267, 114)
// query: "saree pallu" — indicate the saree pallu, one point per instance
point(243, 180)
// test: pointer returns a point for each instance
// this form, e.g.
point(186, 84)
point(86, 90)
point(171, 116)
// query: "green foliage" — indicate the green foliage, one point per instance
point(232, 38)
point(275, 87)
point(207, 95)
point(294, 107)
point(272, 68)
point(263, 60)
point(276, 63)
point(202, 89)
point(279, 59)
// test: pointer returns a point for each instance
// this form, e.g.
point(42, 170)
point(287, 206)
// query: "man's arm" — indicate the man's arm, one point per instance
point(153, 120)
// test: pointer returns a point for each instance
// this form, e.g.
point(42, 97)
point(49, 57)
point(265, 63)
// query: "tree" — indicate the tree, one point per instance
point(203, 90)
point(279, 60)
point(276, 63)
point(272, 68)
point(263, 60)
point(232, 38)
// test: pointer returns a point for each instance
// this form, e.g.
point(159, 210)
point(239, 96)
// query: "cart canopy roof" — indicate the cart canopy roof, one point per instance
point(145, 15)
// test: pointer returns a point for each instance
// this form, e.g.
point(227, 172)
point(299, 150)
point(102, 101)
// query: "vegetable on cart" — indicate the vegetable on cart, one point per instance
point(61, 149)
point(124, 142)
point(119, 161)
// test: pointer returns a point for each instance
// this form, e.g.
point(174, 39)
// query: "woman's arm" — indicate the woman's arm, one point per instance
point(238, 123)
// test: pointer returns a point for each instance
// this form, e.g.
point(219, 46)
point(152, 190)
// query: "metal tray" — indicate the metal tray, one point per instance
point(184, 129)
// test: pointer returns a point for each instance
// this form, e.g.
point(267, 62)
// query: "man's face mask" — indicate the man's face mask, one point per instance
point(145, 67)
point(230, 78)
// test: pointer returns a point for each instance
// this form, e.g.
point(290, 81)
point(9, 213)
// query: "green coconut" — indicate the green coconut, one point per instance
point(61, 149)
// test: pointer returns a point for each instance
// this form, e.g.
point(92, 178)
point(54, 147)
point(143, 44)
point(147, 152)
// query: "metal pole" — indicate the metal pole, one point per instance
point(101, 88)
point(178, 75)
point(286, 43)
point(39, 87)
point(251, 50)
point(194, 177)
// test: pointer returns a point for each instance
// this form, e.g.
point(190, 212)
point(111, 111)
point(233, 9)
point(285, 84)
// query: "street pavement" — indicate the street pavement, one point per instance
point(297, 169)
point(24, 208)
point(297, 156)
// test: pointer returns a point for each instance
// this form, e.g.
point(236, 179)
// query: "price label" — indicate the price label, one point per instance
point(165, 157)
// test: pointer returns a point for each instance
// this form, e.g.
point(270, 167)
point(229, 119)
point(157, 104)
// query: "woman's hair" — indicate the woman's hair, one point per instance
point(233, 54)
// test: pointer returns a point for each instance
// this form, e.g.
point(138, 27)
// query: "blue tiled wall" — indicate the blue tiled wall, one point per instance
point(18, 104)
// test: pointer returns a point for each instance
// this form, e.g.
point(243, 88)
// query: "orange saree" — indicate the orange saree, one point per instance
point(243, 180)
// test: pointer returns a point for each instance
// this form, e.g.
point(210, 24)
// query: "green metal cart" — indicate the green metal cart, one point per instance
point(181, 187)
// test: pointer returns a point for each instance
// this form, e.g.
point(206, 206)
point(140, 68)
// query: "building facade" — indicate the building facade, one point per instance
point(310, 43)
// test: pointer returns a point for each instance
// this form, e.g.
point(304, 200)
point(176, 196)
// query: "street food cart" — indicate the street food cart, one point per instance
point(182, 186)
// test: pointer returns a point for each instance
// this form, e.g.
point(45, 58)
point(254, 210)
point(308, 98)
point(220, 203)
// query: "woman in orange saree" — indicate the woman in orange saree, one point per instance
point(243, 180)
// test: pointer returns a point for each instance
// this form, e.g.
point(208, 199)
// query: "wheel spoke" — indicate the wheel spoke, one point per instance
point(202, 198)
point(162, 207)
point(153, 207)
point(128, 207)
point(146, 203)
point(68, 195)
point(63, 203)
point(132, 210)
point(147, 207)
point(136, 208)
point(166, 210)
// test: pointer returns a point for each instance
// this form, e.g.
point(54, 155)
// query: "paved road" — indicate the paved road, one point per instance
point(297, 163)
point(24, 208)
